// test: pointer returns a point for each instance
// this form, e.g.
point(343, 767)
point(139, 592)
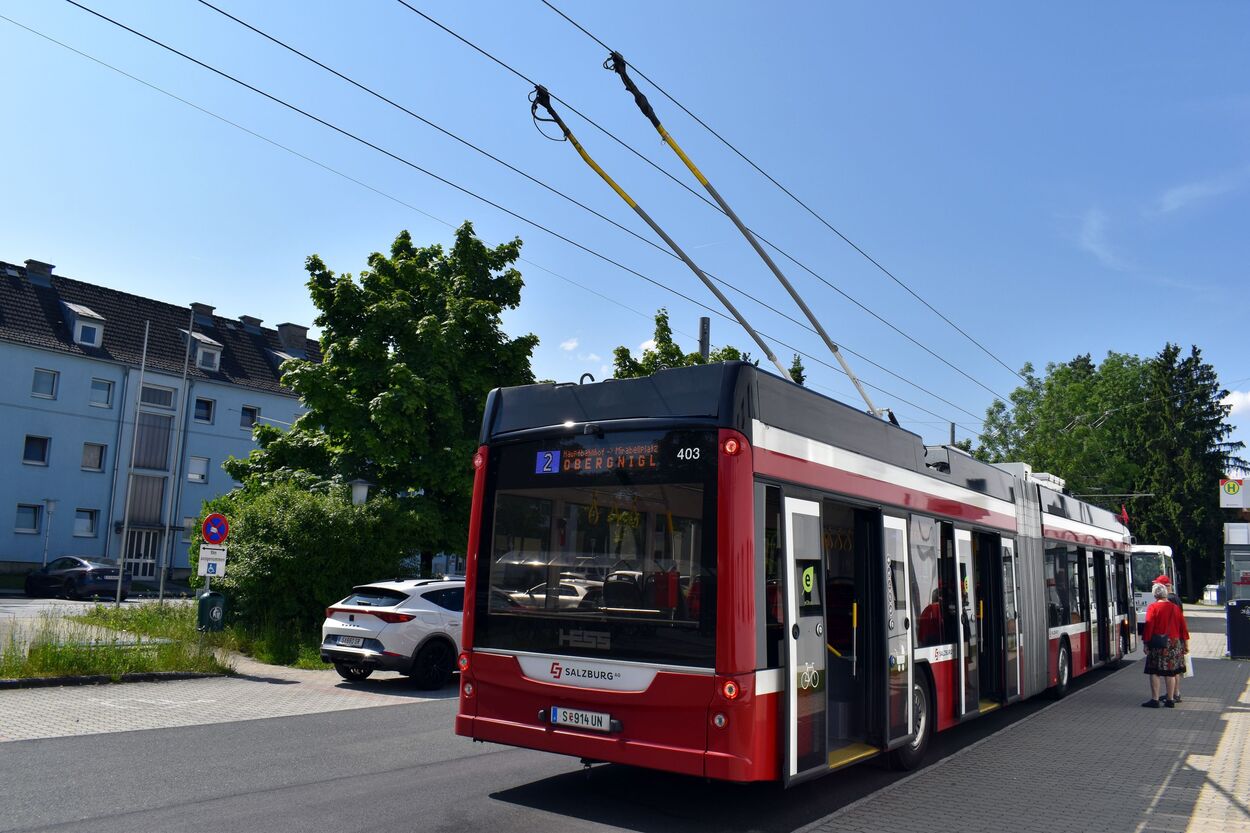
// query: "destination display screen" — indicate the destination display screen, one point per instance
point(633, 457)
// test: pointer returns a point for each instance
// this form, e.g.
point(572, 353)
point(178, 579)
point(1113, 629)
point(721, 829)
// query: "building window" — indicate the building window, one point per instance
point(153, 441)
point(85, 521)
point(93, 456)
point(28, 517)
point(88, 334)
point(248, 416)
point(209, 359)
point(204, 409)
point(44, 384)
point(197, 470)
point(157, 397)
point(35, 452)
point(101, 393)
point(188, 530)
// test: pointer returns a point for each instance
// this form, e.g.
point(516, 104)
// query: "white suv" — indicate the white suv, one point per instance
point(407, 625)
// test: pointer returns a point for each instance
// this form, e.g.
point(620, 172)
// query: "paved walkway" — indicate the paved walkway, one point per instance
point(257, 691)
point(1095, 761)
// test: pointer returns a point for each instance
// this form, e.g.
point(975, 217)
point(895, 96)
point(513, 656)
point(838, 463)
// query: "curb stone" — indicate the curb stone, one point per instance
point(104, 679)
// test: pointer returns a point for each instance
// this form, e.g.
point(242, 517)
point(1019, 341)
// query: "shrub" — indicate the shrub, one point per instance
point(292, 552)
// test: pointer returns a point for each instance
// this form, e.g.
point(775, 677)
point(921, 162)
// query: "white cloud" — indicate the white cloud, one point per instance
point(1240, 400)
point(1189, 193)
point(589, 357)
point(1093, 239)
point(649, 344)
point(570, 345)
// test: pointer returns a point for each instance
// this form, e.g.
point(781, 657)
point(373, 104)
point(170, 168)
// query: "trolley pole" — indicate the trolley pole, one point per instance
point(616, 63)
point(542, 98)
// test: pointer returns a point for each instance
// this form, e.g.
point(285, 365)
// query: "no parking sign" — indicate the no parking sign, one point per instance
point(215, 529)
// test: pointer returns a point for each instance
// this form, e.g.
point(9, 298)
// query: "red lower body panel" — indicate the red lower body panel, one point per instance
point(667, 727)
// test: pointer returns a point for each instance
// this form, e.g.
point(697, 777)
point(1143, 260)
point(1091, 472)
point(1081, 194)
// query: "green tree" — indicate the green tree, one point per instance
point(798, 373)
point(1129, 426)
point(410, 349)
point(667, 354)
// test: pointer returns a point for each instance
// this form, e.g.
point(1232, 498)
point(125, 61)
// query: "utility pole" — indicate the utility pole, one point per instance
point(705, 337)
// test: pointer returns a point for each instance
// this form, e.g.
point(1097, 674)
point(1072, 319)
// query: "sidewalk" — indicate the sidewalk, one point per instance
point(1095, 761)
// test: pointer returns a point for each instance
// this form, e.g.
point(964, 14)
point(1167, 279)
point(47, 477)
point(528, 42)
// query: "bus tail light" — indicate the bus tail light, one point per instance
point(719, 720)
point(462, 662)
point(731, 446)
point(479, 459)
point(730, 690)
point(467, 688)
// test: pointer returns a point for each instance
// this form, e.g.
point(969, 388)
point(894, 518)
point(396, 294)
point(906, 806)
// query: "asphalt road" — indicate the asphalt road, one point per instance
point(395, 768)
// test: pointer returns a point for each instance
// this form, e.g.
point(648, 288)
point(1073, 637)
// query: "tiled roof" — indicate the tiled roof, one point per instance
point(32, 314)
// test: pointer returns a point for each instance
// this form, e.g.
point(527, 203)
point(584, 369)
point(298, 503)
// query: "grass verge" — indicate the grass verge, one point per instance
point(56, 646)
point(272, 645)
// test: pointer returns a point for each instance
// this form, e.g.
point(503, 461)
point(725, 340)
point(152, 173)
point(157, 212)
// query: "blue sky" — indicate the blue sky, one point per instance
point(1058, 180)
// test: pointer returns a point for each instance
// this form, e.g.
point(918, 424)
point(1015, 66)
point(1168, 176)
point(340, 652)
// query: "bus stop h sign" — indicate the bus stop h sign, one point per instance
point(215, 529)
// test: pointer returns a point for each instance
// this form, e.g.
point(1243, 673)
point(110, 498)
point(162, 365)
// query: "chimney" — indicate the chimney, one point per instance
point(39, 273)
point(250, 323)
point(292, 336)
point(203, 314)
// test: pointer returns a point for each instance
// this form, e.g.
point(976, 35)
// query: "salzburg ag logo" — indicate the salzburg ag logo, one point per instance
point(556, 670)
point(572, 672)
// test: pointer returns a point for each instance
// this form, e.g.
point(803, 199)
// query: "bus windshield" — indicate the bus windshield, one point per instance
point(1147, 566)
point(602, 547)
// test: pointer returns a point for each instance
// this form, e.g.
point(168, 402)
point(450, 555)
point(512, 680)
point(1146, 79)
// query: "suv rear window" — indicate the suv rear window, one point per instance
point(374, 597)
point(450, 599)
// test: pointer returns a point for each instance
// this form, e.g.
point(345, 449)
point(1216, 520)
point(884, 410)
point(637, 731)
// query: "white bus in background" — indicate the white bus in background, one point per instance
point(1149, 562)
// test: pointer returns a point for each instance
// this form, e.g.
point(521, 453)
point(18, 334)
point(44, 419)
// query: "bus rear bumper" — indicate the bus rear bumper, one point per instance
point(607, 748)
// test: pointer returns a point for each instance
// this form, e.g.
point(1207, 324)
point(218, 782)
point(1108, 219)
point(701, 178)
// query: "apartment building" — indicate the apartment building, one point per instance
point(91, 421)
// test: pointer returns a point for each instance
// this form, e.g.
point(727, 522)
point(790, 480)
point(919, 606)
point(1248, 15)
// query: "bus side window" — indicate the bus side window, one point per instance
point(926, 582)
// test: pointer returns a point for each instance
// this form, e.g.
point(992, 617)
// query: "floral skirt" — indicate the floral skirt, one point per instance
point(1166, 662)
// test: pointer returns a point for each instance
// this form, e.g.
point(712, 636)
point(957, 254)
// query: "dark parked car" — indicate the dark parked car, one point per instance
point(76, 578)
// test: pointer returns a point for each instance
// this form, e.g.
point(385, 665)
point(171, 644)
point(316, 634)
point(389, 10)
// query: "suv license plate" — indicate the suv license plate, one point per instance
point(351, 641)
point(578, 719)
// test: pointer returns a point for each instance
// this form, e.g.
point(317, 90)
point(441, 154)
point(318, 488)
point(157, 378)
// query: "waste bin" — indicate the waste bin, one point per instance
point(1239, 629)
point(212, 614)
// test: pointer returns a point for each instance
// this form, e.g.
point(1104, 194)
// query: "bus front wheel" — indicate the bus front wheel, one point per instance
point(1064, 671)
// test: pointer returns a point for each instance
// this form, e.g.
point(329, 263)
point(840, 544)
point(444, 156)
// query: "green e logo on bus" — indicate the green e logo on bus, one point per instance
point(809, 579)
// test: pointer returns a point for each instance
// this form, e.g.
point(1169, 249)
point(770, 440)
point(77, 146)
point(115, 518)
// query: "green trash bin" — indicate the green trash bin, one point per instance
point(212, 613)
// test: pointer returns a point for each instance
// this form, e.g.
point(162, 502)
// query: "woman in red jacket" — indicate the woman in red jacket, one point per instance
point(1164, 624)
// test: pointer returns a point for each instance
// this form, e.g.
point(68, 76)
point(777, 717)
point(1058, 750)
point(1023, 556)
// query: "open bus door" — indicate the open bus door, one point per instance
point(1011, 619)
point(806, 735)
point(966, 616)
point(900, 727)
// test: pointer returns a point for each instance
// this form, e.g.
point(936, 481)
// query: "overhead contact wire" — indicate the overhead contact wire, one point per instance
point(460, 188)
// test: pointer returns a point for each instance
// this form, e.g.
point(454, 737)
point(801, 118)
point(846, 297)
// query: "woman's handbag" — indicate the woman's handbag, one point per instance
point(1158, 642)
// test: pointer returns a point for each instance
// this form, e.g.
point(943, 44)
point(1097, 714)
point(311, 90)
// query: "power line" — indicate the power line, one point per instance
point(473, 194)
point(485, 53)
point(794, 197)
point(365, 88)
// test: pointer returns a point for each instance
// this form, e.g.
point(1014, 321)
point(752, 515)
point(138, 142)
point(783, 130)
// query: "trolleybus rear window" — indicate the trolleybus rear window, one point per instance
point(602, 547)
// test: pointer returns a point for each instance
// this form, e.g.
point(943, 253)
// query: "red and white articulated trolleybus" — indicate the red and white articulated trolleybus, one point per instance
point(715, 572)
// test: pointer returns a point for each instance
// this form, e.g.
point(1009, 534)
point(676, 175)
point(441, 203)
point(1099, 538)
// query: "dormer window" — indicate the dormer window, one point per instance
point(207, 351)
point(88, 333)
point(209, 359)
point(88, 326)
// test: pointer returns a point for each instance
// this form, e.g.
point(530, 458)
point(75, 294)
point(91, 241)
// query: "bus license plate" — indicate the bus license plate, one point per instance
point(351, 641)
point(578, 719)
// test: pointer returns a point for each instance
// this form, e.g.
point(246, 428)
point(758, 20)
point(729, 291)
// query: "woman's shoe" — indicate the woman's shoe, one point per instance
point(1150, 704)
point(1176, 699)
point(1170, 703)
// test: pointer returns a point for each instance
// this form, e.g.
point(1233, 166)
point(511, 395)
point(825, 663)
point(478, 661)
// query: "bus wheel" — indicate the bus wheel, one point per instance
point(1065, 671)
point(910, 756)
